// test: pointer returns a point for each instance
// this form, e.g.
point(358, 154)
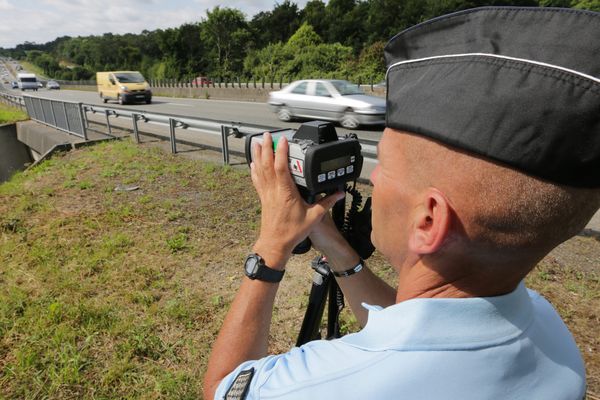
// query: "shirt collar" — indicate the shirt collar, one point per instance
point(446, 324)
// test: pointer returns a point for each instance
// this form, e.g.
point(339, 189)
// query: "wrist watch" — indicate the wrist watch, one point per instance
point(255, 268)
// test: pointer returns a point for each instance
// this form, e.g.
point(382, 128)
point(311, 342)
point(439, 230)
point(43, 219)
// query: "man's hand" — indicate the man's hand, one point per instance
point(286, 218)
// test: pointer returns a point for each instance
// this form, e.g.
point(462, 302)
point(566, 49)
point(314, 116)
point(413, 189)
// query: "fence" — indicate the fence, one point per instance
point(12, 100)
point(63, 115)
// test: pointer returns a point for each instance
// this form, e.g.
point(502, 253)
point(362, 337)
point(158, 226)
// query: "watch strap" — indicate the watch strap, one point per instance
point(351, 271)
point(267, 274)
point(263, 272)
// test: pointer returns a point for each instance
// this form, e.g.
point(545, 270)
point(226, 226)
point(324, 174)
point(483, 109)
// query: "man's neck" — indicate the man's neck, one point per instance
point(422, 281)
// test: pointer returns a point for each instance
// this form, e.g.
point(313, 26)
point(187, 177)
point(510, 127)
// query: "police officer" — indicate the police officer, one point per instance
point(490, 159)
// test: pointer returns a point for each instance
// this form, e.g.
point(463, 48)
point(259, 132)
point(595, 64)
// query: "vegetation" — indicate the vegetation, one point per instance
point(10, 114)
point(343, 38)
point(108, 294)
point(33, 68)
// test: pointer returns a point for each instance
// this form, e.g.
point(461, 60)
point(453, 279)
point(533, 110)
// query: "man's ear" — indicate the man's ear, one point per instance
point(430, 223)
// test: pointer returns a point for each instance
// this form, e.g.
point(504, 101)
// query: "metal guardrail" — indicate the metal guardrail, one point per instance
point(214, 127)
point(66, 116)
point(12, 100)
point(72, 117)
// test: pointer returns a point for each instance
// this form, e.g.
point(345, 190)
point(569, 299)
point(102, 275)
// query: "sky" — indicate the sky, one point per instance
point(42, 21)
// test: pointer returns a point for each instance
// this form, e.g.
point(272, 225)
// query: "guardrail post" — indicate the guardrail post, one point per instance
point(172, 123)
point(84, 113)
point(53, 114)
point(136, 133)
point(225, 144)
point(64, 107)
point(107, 112)
point(83, 120)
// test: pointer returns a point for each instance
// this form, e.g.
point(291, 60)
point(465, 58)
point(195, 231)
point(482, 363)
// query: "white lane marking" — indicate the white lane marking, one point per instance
point(217, 101)
point(180, 104)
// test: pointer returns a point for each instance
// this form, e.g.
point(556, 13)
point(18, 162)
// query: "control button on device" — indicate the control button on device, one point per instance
point(331, 175)
point(321, 178)
point(341, 172)
point(350, 169)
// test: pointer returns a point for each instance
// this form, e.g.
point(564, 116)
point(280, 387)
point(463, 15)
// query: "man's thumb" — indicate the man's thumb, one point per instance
point(325, 204)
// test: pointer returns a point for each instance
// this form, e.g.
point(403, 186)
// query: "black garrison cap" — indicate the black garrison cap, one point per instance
point(520, 86)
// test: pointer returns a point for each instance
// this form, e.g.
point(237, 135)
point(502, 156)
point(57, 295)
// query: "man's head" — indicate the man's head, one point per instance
point(432, 201)
point(492, 149)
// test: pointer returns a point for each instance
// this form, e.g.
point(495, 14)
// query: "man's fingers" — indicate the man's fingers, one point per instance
point(281, 156)
point(324, 205)
point(256, 150)
point(267, 151)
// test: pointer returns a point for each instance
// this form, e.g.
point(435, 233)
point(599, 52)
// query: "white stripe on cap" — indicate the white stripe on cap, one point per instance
point(597, 80)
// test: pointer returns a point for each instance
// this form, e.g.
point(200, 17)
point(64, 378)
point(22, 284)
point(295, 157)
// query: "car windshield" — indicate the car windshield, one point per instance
point(346, 88)
point(130, 77)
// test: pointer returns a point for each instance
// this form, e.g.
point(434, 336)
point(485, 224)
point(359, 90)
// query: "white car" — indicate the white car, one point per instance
point(333, 100)
point(52, 85)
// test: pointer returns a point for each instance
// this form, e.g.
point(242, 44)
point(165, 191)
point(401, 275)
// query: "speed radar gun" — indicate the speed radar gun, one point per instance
point(323, 163)
point(320, 162)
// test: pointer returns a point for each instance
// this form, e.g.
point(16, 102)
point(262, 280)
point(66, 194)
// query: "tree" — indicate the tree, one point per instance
point(370, 65)
point(304, 55)
point(304, 37)
point(277, 25)
point(592, 5)
point(225, 32)
point(314, 15)
point(346, 23)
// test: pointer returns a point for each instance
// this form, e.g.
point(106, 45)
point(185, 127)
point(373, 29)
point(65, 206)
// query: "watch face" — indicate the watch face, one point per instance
point(251, 266)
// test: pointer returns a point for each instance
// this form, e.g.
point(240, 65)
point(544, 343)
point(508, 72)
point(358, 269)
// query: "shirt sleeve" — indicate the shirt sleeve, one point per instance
point(262, 370)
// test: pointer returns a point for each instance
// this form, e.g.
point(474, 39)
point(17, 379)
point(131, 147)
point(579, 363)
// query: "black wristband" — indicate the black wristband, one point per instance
point(351, 271)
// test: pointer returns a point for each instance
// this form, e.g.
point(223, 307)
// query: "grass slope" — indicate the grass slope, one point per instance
point(10, 114)
point(32, 68)
point(110, 294)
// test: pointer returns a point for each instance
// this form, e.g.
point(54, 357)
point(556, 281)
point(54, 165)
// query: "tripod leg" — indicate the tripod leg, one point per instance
point(323, 283)
point(322, 279)
point(335, 307)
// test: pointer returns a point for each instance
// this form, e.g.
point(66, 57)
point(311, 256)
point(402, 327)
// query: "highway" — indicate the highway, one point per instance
point(224, 110)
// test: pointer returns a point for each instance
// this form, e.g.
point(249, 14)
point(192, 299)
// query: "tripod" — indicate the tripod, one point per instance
point(324, 284)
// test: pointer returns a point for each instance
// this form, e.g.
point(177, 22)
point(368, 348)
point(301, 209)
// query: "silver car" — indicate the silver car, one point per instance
point(333, 100)
point(52, 85)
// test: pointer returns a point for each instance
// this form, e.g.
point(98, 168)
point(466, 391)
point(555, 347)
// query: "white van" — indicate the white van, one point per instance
point(27, 81)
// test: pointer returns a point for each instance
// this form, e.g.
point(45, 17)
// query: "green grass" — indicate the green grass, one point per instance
point(10, 114)
point(32, 68)
point(105, 294)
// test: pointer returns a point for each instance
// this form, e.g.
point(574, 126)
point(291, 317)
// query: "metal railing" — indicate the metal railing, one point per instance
point(12, 100)
point(66, 116)
point(224, 129)
point(75, 117)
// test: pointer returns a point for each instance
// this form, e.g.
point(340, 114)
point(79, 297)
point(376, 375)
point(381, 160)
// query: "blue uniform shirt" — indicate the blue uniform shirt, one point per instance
point(506, 347)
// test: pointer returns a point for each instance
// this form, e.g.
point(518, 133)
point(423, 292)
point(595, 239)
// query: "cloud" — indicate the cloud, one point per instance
point(42, 21)
point(5, 5)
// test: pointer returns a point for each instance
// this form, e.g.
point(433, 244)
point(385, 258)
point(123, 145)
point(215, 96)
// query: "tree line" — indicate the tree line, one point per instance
point(340, 38)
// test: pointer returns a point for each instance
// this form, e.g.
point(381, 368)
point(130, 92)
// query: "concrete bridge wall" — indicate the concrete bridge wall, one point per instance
point(14, 155)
